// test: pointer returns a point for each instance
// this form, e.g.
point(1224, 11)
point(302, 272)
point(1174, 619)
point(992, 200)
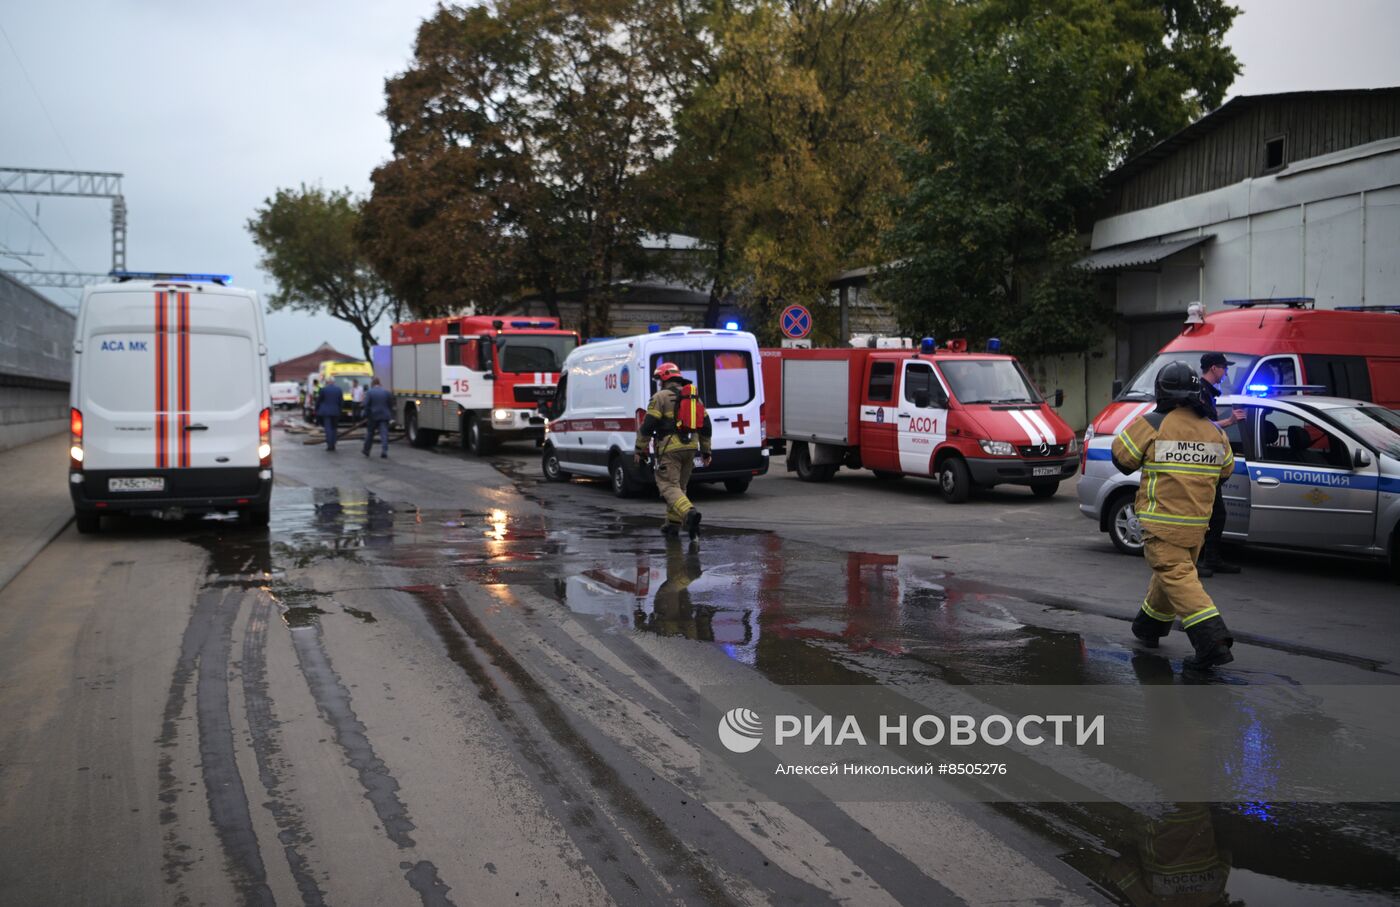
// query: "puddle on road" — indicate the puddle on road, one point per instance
point(805, 614)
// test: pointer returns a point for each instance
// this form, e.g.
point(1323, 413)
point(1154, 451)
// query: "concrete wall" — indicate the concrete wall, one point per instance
point(36, 364)
point(1086, 379)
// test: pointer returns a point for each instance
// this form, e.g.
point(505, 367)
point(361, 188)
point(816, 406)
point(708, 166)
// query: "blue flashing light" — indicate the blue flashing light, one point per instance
point(927, 345)
point(121, 276)
point(653, 329)
point(731, 325)
point(1261, 390)
point(994, 344)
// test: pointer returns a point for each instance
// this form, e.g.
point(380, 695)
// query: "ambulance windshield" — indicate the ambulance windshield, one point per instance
point(1143, 383)
point(988, 381)
point(533, 352)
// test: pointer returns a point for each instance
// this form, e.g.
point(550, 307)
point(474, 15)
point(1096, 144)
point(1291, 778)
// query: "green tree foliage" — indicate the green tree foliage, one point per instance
point(784, 161)
point(522, 134)
point(1021, 109)
point(308, 241)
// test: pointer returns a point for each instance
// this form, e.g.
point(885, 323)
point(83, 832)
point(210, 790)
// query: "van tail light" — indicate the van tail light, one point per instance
point(75, 439)
point(763, 422)
point(265, 438)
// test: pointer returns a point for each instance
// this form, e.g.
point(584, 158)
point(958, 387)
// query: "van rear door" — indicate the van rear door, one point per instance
point(171, 378)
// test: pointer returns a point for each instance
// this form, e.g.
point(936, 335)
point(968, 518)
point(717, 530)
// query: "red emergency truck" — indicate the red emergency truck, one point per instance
point(479, 375)
point(968, 419)
point(1352, 352)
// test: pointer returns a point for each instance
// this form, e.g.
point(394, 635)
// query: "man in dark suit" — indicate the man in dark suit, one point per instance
point(379, 412)
point(329, 402)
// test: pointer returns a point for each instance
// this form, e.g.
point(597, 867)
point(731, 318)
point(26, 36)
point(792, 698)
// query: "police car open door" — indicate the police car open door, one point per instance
point(1305, 488)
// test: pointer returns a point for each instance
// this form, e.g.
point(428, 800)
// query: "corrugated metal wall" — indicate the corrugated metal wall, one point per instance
point(36, 364)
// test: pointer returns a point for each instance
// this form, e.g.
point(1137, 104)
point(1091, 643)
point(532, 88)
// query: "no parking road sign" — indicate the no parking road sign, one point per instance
point(796, 322)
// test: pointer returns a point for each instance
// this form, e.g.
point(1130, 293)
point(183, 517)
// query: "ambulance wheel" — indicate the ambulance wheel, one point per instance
point(736, 486)
point(954, 480)
point(88, 523)
point(418, 437)
point(549, 464)
point(802, 463)
point(622, 484)
point(1124, 530)
point(1045, 489)
point(477, 437)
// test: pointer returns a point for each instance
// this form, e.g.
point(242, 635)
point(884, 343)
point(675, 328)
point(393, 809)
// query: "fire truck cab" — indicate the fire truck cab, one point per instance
point(480, 376)
point(967, 419)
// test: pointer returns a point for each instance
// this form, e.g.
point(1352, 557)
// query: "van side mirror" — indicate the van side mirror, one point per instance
point(1117, 387)
point(921, 399)
point(1059, 397)
point(1361, 458)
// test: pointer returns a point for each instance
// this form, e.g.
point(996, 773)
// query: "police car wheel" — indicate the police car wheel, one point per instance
point(954, 480)
point(1123, 528)
point(549, 464)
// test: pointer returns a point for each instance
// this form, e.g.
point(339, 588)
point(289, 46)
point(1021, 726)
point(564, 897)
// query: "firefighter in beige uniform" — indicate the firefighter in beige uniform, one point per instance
point(675, 446)
point(1182, 455)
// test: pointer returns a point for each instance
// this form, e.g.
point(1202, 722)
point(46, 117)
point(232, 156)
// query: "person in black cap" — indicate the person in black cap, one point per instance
point(1213, 369)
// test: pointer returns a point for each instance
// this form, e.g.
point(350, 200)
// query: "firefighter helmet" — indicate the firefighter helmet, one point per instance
point(1177, 384)
point(666, 371)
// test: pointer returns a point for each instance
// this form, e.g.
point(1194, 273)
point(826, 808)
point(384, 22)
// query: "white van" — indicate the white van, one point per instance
point(286, 394)
point(171, 411)
point(604, 388)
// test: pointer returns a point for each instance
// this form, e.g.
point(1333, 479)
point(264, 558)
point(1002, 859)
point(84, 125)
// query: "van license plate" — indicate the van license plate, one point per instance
point(142, 483)
point(1045, 470)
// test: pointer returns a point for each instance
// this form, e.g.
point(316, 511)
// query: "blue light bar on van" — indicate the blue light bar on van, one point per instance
point(123, 276)
point(1293, 302)
point(731, 325)
point(532, 324)
point(927, 345)
point(1258, 390)
point(1265, 390)
point(994, 344)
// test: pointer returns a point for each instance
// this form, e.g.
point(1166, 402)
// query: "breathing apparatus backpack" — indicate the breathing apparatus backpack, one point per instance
point(690, 413)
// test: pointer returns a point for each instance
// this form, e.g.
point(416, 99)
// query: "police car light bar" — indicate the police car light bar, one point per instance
point(123, 276)
point(1266, 390)
point(1293, 302)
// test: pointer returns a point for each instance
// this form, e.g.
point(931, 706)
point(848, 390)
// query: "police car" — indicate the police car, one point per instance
point(1311, 472)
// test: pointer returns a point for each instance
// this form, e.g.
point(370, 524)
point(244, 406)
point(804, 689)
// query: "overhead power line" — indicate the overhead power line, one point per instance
point(42, 106)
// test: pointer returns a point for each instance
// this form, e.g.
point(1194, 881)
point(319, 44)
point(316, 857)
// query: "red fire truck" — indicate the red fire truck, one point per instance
point(967, 419)
point(481, 376)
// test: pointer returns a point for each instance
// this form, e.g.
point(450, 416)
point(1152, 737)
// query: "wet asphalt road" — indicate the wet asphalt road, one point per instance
point(439, 680)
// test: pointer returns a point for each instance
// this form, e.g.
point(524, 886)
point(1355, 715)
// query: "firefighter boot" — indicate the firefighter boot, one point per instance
point(670, 529)
point(691, 523)
point(1212, 641)
point(1149, 629)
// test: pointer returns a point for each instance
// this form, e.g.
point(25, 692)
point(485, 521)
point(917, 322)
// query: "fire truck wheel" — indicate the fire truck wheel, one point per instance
point(418, 437)
point(1123, 528)
point(736, 486)
point(88, 523)
point(1045, 489)
point(622, 484)
point(477, 437)
point(806, 471)
point(954, 480)
point(549, 464)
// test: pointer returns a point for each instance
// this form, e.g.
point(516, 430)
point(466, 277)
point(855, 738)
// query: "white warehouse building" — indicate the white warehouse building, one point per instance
point(1269, 196)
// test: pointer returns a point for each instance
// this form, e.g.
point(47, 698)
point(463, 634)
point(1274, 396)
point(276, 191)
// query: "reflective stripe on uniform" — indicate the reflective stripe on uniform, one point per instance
point(1199, 616)
point(1151, 516)
point(1155, 614)
point(1128, 443)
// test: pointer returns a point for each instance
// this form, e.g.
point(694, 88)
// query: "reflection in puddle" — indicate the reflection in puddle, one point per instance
point(805, 614)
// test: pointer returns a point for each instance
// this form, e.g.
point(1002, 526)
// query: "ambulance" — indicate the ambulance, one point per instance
point(605, 386)
point(969, 420)
point(479, 376)
point(1351, 353)
point(171, 413)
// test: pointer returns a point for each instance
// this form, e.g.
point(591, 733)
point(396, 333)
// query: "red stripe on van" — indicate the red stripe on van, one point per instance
point(161, 426)
point(182, 353)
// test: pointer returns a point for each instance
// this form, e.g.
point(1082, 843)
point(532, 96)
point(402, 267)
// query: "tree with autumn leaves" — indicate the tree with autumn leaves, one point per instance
point(536, 143)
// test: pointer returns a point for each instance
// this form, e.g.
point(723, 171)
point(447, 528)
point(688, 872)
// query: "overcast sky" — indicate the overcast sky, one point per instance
point(208, 108)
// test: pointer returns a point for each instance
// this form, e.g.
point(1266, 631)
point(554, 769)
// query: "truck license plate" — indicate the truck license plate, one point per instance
point(1045, 470)
point(142, 483)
